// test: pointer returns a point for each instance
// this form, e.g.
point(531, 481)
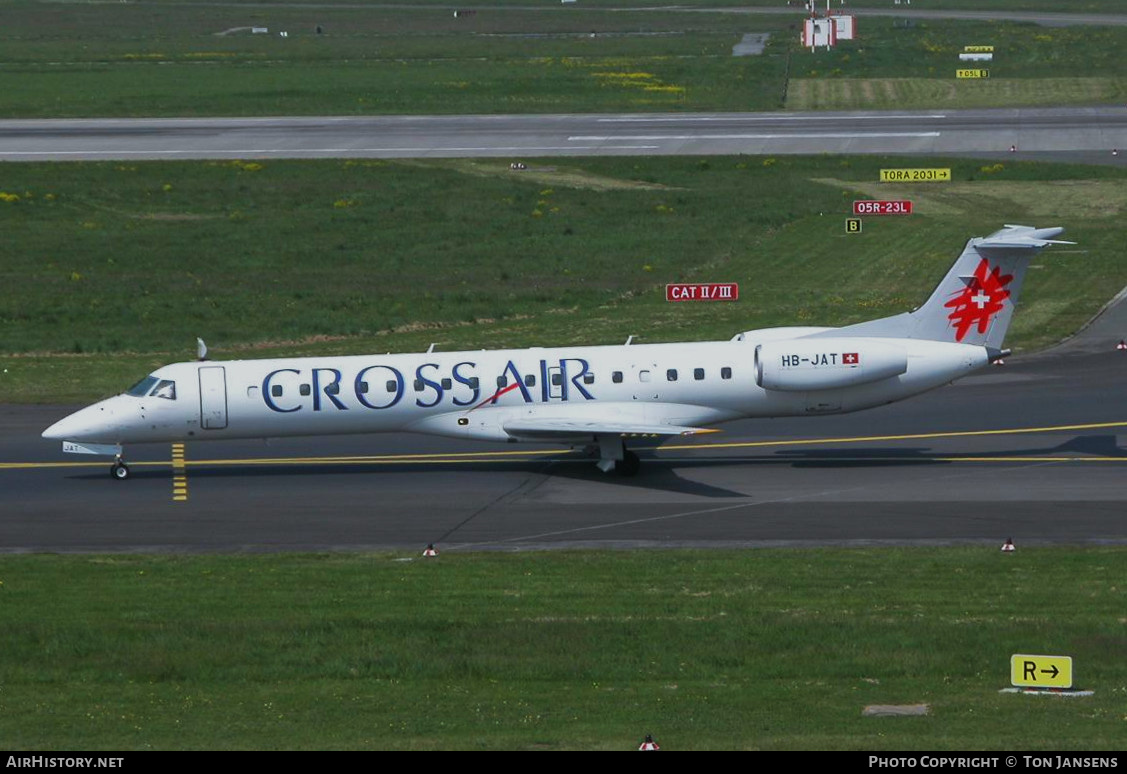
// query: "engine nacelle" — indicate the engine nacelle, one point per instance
point(826, 364)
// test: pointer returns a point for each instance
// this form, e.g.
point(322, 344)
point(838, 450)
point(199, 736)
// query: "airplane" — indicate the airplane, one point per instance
point(597, 397)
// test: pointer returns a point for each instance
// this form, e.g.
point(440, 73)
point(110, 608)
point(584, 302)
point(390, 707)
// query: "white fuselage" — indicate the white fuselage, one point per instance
point(524, 394)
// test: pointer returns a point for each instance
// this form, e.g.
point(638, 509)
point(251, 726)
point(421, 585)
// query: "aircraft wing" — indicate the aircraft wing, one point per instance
point(566, 429)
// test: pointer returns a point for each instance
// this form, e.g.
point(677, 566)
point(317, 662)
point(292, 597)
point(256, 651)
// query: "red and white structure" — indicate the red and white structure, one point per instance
point(828, 30)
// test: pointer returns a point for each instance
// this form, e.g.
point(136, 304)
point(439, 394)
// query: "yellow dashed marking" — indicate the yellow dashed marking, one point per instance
point(179, 475)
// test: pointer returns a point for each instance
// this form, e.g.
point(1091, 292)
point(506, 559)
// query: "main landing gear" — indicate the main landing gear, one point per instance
point(628, 465)
point(613, 455)
point(119, 470)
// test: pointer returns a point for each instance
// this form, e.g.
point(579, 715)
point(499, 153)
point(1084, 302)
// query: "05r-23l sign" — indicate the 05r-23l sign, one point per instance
point(882, 207)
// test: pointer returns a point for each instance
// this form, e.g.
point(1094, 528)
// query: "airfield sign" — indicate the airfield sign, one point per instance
point(1040, 671)
point(915, 175)
point(702, 291)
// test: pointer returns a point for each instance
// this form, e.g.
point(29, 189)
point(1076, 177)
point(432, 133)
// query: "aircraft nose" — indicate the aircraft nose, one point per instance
point(93, 423)
point(57, 431)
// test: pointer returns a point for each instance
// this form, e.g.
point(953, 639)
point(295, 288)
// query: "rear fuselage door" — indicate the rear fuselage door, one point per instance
point(213, 398)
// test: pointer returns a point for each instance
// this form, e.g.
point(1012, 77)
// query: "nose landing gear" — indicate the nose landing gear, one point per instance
point(119, 470)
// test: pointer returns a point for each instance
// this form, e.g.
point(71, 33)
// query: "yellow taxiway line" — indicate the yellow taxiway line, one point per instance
point(179, 464)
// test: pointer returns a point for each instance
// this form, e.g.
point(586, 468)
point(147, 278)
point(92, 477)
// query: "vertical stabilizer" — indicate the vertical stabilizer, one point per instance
point(974, 302)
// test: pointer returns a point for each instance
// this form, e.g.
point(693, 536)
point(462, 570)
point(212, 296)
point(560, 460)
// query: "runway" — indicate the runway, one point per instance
point(1030, 450)
point(1084, 134)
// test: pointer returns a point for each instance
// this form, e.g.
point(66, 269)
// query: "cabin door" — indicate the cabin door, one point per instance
point(213, 398)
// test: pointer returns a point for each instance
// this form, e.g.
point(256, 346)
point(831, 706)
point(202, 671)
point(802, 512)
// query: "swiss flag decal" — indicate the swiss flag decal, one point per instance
point(851, 358)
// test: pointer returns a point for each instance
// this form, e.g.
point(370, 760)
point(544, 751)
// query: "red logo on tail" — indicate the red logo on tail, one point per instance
point(979, 301)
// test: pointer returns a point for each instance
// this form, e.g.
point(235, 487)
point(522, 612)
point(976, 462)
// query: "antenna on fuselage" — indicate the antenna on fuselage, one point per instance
point(201, 349)
point(431, 347)
point(629, 339)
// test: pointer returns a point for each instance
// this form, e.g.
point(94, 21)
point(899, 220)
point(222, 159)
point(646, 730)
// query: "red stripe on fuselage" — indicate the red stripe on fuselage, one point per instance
point(496, 395)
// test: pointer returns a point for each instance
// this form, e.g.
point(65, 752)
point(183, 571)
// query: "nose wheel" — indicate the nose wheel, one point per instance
point(119, 470)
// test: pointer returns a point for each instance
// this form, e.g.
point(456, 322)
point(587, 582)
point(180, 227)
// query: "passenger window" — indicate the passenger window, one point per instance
point(671, 374)
point(276, 390)
point(333, 389)
point(392, 385)
point(725, 373)
point(588, 378)
point(502, 381)
point(698, 373)
point(616, 377)
point(447, 384)
point(418, 385)
point(304, 389)
point(362, 388)
point(474, 382)
point(530, 380)
point(643, 376)
point(557, 379)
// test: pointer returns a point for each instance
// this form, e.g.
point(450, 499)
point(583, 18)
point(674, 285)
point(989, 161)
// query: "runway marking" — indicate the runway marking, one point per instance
point(785, 136)
point(314, 151)
point(718, 119)
point(179, 475)
point(485, 456)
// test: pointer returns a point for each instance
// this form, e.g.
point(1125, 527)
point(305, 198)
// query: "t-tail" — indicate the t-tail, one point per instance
point(975, 301)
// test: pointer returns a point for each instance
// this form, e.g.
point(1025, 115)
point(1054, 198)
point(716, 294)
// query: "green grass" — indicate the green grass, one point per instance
point(69, 61)
point(116, 268)
point(772, 649)
point(1073, 6)
point(892, 67)
point(935, 93)
point(77, 60)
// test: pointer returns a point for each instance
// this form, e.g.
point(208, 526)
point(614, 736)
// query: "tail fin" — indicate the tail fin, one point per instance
point(975, 302)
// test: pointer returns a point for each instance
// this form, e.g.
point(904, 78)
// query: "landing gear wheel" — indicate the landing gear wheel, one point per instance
point(628, 465)
point(120, 471)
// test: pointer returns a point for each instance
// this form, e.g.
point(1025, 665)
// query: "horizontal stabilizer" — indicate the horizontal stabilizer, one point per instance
point(1021, 237)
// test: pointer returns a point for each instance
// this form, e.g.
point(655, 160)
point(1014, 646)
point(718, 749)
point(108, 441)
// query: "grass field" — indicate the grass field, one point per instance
point(771, 650)
point(1073, 6)
point(930, 93)
point(169, 59)
point(120, 266)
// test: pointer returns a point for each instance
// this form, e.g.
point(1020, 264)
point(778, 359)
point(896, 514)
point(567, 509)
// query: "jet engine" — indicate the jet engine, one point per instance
point(826, 364)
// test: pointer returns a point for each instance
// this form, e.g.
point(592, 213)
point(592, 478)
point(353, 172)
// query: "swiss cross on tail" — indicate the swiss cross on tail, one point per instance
point(980, 300)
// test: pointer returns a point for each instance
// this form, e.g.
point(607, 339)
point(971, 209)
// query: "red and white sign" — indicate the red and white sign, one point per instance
point(702, 291)
point(882, 207)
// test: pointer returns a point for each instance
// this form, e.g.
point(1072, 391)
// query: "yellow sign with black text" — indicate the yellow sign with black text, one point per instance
point(852, 225)
point(978, 49)
point(915, 175)
point(972, 73)
point(1041, 671)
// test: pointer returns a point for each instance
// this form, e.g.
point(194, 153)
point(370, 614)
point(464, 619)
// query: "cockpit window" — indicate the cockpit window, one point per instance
point(165, 389)
point(153, 387)
point(141, 388)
